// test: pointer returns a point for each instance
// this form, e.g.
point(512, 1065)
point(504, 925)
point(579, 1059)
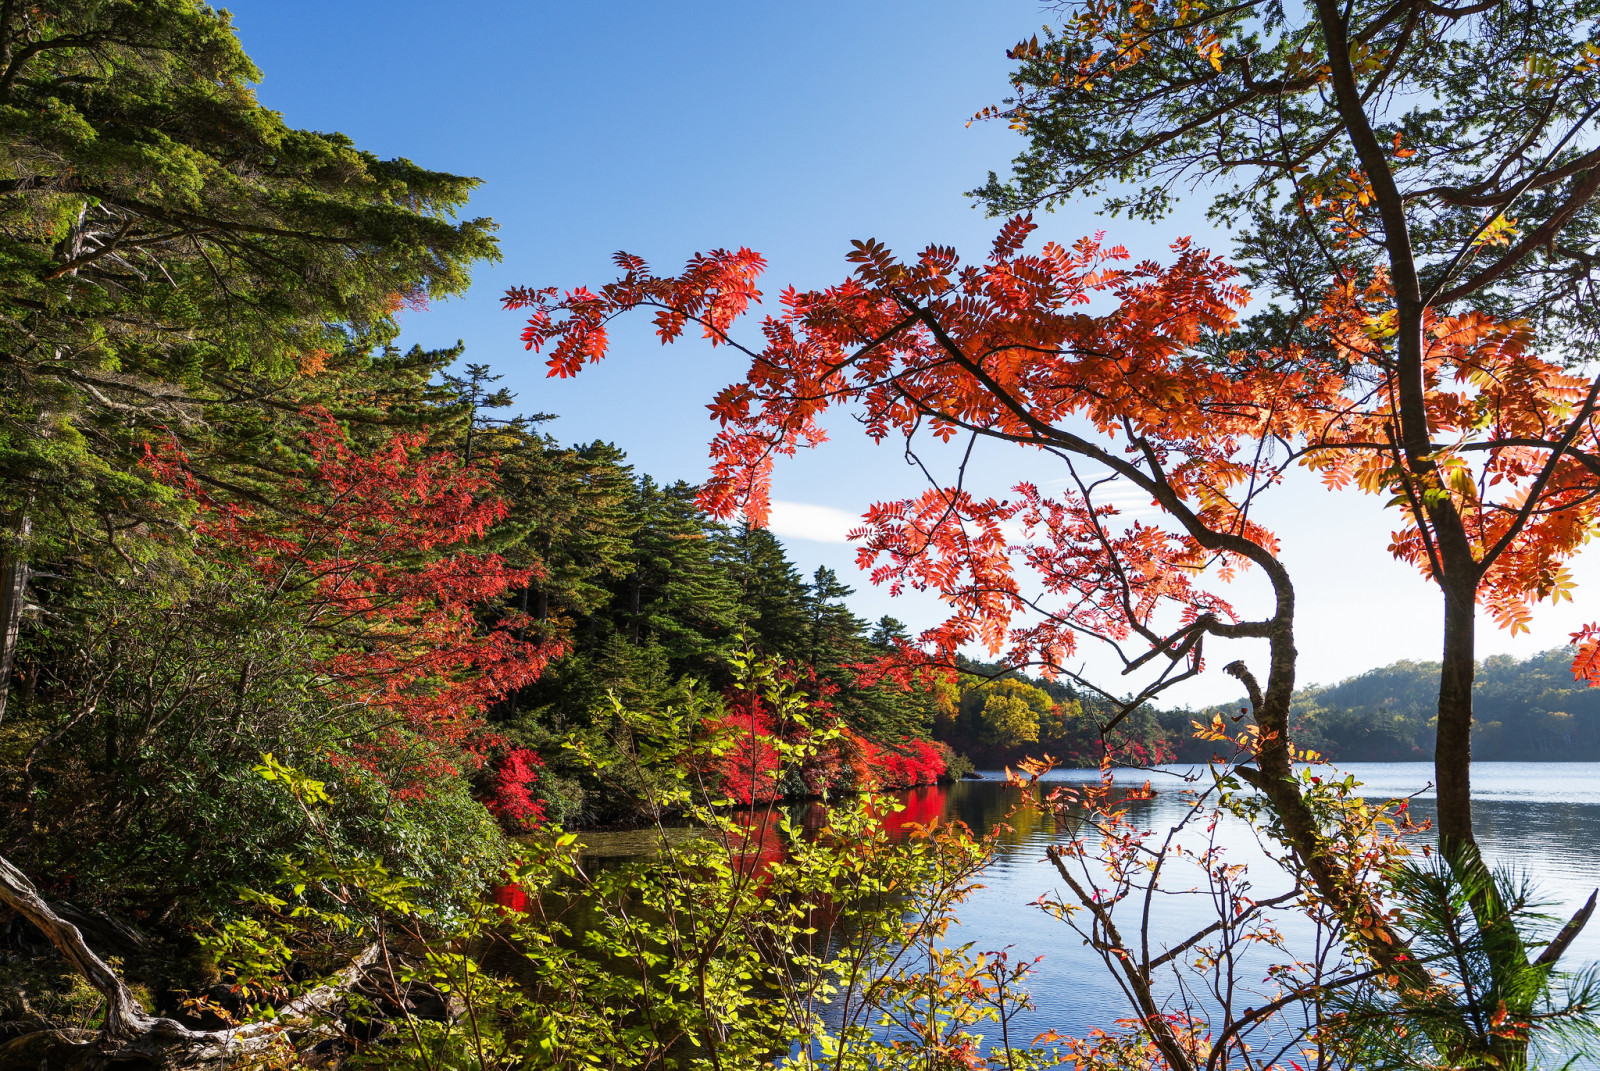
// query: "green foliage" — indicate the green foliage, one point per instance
point(1010, 710)
point(1478, 1012)
point(745, 940)
point(1471, 110)
point(175, 261)
point(49, 995)
point(772, 597)
point(136, 752)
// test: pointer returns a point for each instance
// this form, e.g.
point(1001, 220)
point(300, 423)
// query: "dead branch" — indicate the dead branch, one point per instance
point(130, 1030)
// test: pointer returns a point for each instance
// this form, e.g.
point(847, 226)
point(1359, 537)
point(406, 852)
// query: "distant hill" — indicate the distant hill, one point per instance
point(1525, 710)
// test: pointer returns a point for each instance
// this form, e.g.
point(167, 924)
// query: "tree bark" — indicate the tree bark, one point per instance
point(1454, 563)
point(1452, 751)
point(124, 1016)
point(13, 597)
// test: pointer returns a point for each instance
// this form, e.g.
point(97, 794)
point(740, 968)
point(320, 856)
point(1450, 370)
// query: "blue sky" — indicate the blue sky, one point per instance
point(665, 129)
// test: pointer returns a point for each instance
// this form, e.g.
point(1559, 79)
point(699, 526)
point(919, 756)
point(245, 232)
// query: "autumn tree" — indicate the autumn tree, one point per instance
point(930, 347)
point(1010, 710)
point(1438, 159)
point(355, 628)
point(341, 629)
point(1151, 394)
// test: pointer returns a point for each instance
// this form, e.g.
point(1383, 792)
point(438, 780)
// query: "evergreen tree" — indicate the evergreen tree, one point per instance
point(585, 530)
point(174, 261)
point(886, 633)
point(677, 593)
point(772, 596)
point(571, 519)
point(834, 634)
point(473, 387)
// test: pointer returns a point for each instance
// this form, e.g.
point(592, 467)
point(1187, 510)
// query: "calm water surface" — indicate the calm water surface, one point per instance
point(1541, 818)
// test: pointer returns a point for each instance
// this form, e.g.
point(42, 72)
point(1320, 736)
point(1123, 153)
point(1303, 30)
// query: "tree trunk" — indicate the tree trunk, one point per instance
point(1452, 752)
point(1274, 778)
point(13, 596)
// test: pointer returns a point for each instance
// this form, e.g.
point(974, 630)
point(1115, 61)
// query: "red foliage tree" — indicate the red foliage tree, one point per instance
point(511, 797)
point(371, 551)
point(1145, 394)
point(1490, 452)
point(746, 762)
point(908, 764)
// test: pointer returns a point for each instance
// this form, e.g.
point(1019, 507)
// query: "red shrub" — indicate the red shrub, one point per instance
point(510, 799)
point(749, 760)
point(909, 764)
point(746, 768)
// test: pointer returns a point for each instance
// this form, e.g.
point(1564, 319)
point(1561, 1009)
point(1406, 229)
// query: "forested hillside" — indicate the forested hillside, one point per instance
point(1527, 709)
point(1530, 709)
point(250, 544)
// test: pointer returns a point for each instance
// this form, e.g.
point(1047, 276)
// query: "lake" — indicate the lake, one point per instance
point(1542, 818)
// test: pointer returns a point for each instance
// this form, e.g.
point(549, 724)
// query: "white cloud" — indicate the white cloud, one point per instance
point(1130, 501)
point(801, 520)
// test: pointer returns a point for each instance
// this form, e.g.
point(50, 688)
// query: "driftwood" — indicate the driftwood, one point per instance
point(132, 1037)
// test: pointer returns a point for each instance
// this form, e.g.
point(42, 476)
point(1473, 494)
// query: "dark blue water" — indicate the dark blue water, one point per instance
point(1541, 818)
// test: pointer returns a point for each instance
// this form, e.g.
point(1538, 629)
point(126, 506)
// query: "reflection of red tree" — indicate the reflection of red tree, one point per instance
point(755, 841)
point(922, 805)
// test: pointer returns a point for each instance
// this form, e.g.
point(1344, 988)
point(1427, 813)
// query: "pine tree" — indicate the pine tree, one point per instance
point(573, 505)
point(677, 593)
point(772, 596)
point(174, 262)
point(834, 635)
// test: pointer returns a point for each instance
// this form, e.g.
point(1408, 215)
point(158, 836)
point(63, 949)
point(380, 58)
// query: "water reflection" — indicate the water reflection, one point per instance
point(1540, 818)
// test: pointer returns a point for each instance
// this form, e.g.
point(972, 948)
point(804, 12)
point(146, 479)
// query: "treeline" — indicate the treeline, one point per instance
point(648, 597)
point(1524, 710)
point(997, 716)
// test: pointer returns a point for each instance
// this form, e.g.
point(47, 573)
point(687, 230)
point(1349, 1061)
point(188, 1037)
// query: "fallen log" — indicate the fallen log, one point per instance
point(132, 1038)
